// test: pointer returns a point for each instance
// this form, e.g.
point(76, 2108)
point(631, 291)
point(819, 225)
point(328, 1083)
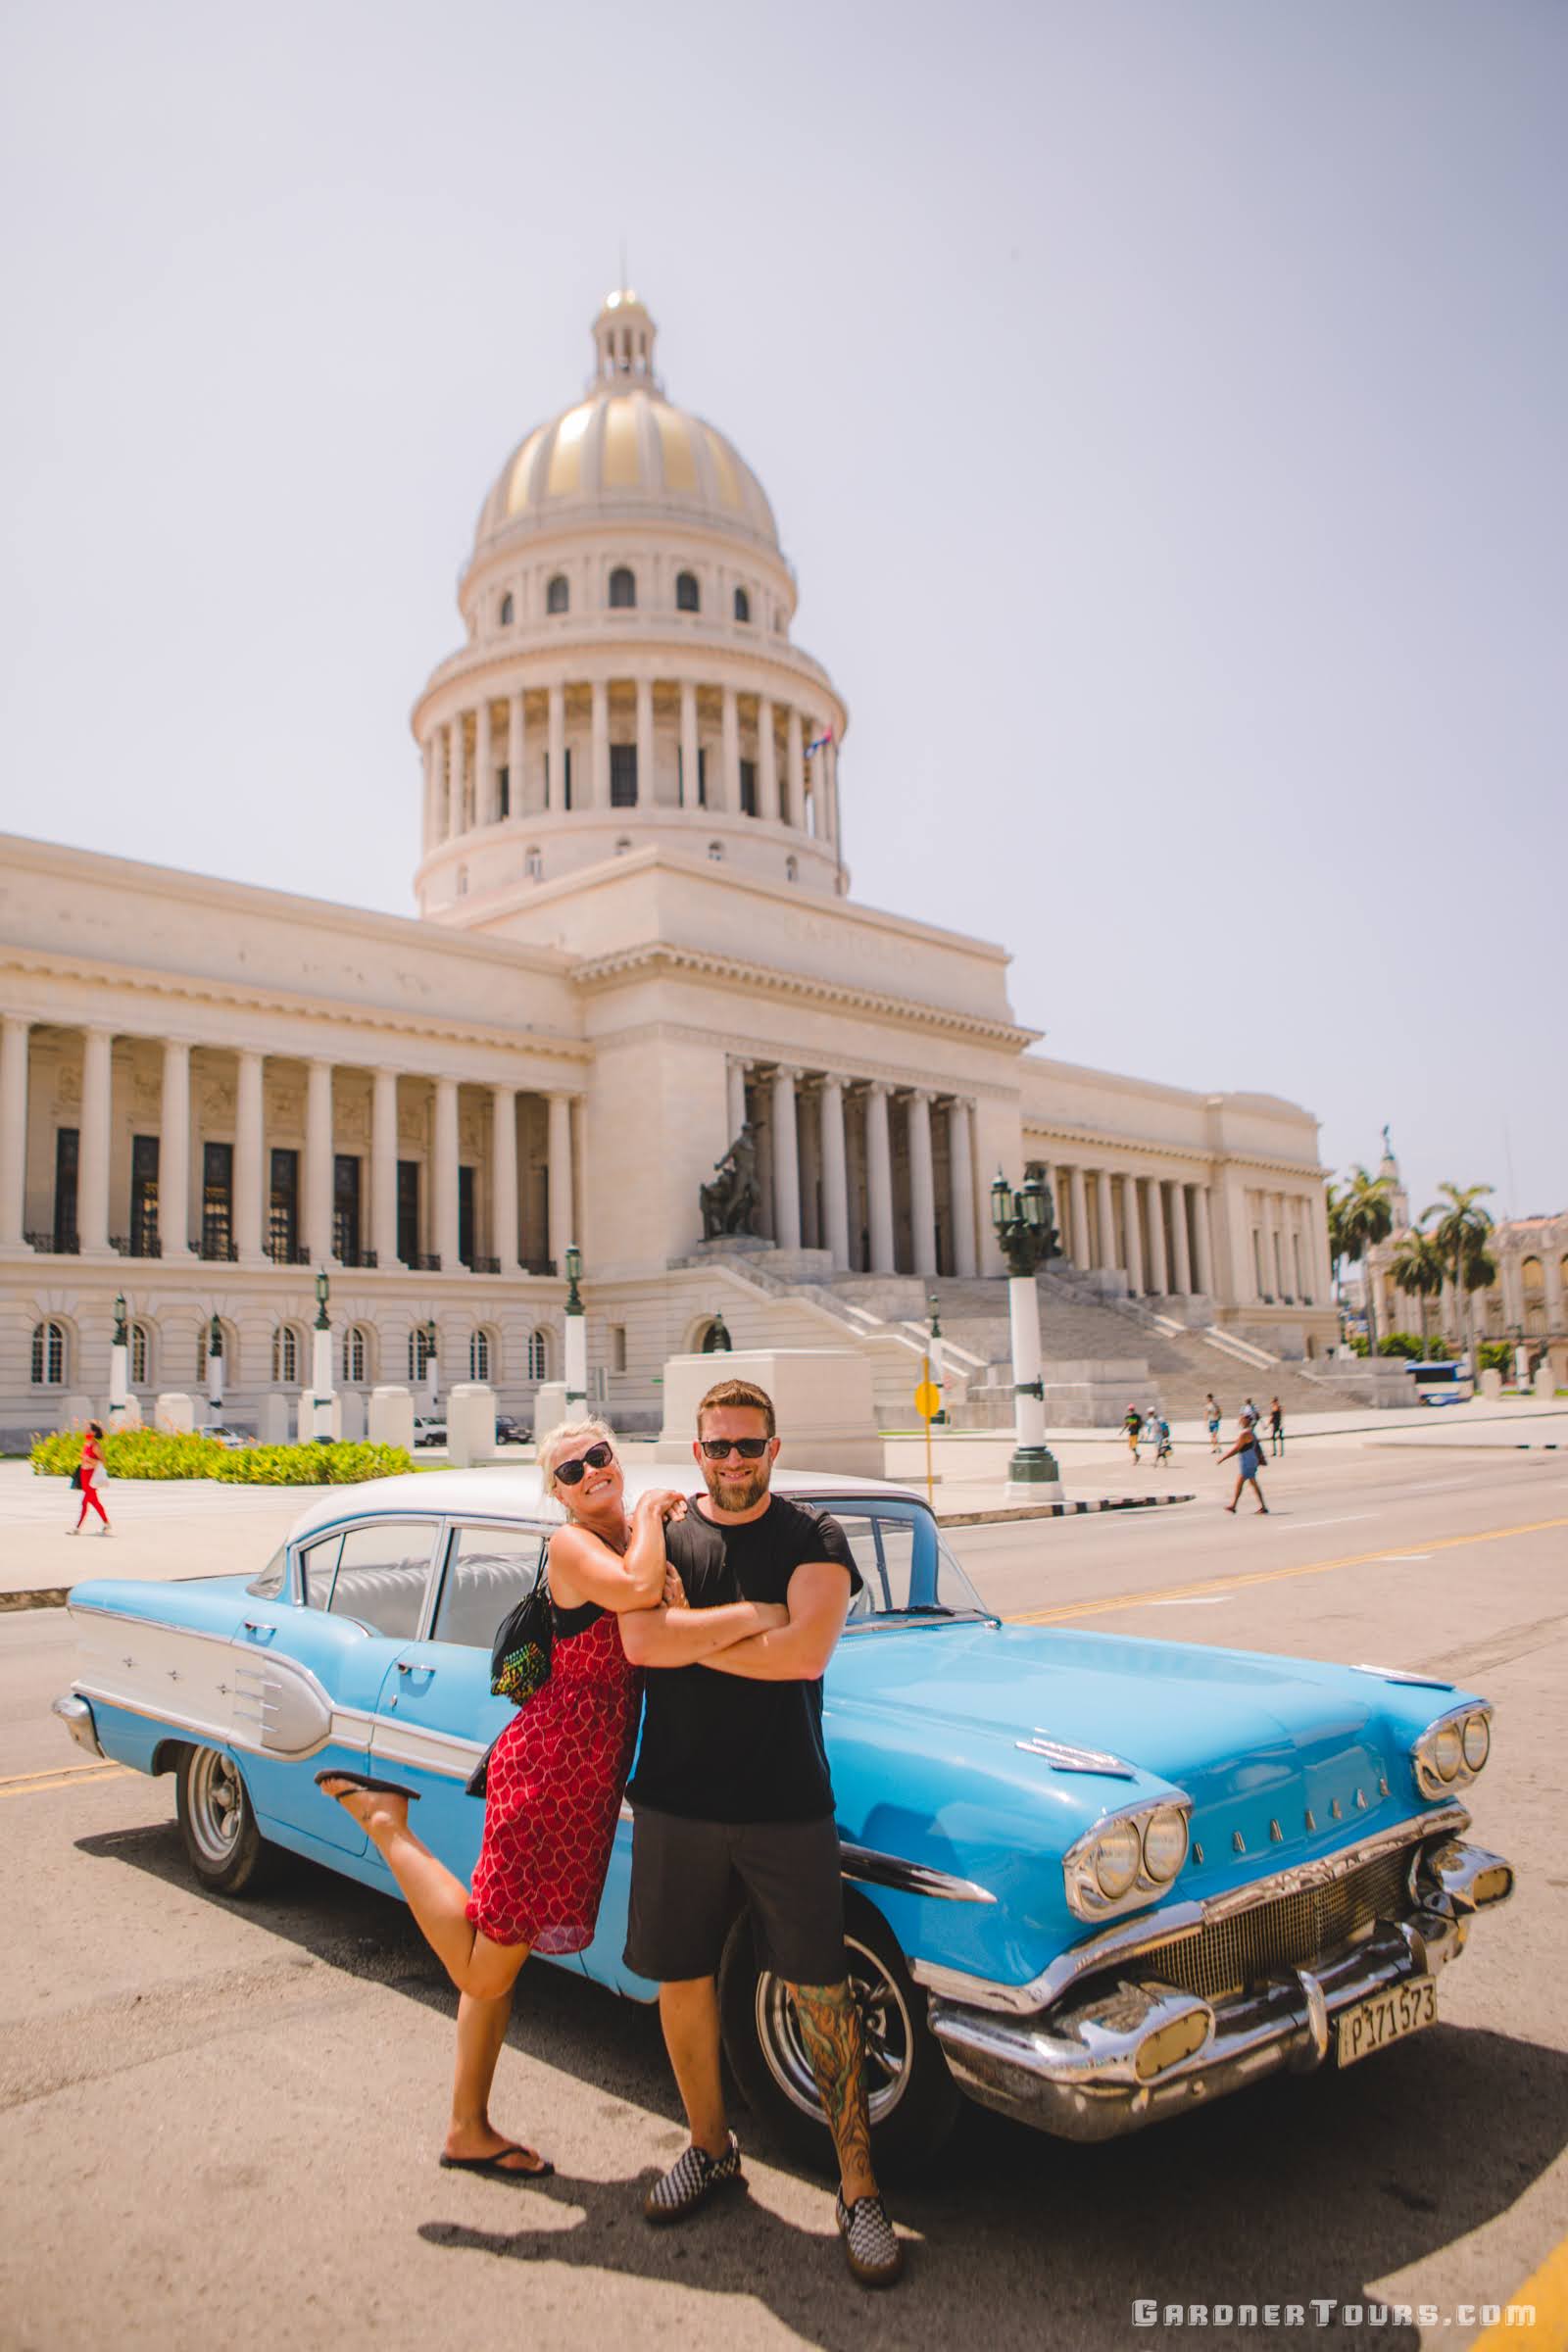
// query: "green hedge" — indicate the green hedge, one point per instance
point(164, 1453)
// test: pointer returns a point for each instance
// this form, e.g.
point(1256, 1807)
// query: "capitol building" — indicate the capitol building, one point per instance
point(635, 936)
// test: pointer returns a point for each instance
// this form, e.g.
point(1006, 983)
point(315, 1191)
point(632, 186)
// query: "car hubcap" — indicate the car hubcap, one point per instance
point(217, 1805)
point(885, 2021)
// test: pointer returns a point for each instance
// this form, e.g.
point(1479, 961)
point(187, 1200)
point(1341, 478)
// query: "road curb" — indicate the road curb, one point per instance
point(1060, 1510)
point(43, 1597)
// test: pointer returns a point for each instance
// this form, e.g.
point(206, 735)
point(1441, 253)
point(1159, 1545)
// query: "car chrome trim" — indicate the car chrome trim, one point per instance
point(910, 1878)
point(77, 1716)
point(1178, 1920)
point(1400, 1674)
point(1061, 1756)
point(1428, 1779)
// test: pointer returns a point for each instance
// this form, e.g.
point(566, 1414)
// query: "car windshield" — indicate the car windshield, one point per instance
point(907, 1570)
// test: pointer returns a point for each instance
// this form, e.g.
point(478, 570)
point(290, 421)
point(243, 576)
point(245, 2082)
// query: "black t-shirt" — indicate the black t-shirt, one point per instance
point(721, 1747)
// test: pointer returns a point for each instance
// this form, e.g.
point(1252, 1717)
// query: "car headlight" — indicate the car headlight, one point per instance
point(1164, 1843)
point(1115, 1859)
point(1127, 1860)
point(1451, 1752)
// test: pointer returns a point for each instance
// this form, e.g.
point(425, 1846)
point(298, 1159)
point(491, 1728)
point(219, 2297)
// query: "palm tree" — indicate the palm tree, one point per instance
point(1461, 1236)
point(1418, 1269)
point(1360, 1216)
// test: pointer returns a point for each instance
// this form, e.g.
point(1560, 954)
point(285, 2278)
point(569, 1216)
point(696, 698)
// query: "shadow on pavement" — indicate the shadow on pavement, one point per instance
point(1304, 2189)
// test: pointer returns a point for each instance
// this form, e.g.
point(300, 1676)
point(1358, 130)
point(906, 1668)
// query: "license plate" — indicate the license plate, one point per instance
point(1387, 2016)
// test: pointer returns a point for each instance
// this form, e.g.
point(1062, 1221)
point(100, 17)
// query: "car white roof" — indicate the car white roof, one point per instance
point(510, 1491)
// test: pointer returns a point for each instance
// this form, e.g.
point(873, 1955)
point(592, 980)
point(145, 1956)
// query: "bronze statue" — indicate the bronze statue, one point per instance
point(730, 1203)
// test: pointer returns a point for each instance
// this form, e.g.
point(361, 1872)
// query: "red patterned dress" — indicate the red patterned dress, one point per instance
point(553, 1796)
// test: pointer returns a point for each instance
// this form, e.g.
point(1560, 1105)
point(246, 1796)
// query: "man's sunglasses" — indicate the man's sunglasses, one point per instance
point(597, 1457)
point(750, 1449)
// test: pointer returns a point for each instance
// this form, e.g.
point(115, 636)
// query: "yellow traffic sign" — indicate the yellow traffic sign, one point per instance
point(928, 1400)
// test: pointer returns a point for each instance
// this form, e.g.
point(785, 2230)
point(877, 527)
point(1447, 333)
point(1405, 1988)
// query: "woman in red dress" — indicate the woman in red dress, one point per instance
point(92, 1471)
point(555, 1781)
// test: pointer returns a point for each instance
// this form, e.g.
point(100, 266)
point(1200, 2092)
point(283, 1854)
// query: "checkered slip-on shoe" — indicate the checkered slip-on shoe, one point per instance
point(874, 2253)
point(691, 2180)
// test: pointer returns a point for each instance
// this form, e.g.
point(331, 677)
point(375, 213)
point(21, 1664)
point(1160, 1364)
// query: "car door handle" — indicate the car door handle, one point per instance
point(258, 1632)
point(413, 1666)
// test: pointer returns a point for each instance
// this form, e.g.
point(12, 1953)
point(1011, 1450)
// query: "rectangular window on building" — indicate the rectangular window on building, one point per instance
point(346, 1208)
point(67, 1154)
point(217, 1200)
point(409, 1211)
point(748, 788)
point(144, 1196)
point(504, 791)
point(702, 775)
point(623, 775)
point(617, 1347)
point(565, 774)
point(466, 1215)
point(284, 1208)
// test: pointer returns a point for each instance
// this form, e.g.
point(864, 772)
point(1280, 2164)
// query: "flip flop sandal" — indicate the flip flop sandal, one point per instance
point(540, 2171)
point(364, 1786)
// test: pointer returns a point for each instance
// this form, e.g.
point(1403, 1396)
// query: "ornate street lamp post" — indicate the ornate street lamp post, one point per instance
point(935, 1368)
point(432, 1366)
point(118, 1367)
point(576, 1349)
point(214, 1369)
point(321, 1366)
point(1026, 1234)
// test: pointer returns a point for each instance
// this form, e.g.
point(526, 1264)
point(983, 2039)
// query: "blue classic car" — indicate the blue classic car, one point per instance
point(1093, 1880)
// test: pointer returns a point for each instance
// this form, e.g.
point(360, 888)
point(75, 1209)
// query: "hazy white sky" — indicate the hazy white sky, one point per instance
point(1161, 404)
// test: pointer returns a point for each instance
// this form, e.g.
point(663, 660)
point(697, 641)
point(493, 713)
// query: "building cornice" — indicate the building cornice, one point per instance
point(1073, 1143)
point(813, 1061)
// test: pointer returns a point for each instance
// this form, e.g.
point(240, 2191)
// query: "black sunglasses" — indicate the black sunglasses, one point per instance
point(597, 1457)
point(750, 1449)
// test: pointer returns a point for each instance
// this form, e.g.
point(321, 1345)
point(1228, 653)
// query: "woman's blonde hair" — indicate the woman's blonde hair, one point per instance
point(566, 1438)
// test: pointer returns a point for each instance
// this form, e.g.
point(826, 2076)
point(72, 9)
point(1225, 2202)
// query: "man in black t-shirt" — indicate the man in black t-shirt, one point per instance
point(732, 1787)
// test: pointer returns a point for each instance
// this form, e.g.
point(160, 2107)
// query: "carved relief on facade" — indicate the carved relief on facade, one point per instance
point(413, 1122)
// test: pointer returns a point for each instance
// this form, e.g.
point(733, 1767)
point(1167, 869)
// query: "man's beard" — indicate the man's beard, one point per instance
point(738, 1498)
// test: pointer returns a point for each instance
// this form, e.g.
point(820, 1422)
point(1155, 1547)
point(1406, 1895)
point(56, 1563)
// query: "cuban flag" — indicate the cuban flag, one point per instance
point(821, 743)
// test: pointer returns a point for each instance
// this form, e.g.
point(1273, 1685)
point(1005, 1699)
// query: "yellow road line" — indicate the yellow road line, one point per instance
point(1273, 1575)
point(68, 1775)
point(1547, 2289)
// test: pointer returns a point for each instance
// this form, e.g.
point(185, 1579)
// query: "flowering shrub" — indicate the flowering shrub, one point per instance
point(174, 1453)
point(311, 1465)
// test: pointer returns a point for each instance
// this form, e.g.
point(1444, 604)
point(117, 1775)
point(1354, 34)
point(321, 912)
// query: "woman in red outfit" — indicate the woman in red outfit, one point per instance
point(92, 1471)
point(555, 1781)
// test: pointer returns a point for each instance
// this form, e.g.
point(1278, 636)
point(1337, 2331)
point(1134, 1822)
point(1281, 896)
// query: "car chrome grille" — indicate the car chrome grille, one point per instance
point(1229, 1954)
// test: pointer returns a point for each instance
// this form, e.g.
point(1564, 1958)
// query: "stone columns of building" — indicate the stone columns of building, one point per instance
point(835, 1172)
point(729, 788)
point(786, 1161)
point(445, 1203)
point(960, 1186)
point(1159, 1274)
point(173, 1152)
point(318, 1235)
point(690, 760)
point(385, 1168)
point(1204, 1270)
point(1079, 1194)
point(561, 1212)
point(879, 1180)
point(1133, 1225)
point(766, 761)
point(517, 754)
point(734, 1097)
point(922, 1186)
point(1182, 1272)
point(599, 787)
point(1552, 1269)
point(432, 791)
point(794, 771)
point(555, 788)
point(504, 1176)
point(1105, 1219)
point(485, 764)
point(1513, 1302)
point(809, 1118)
point(92, 1191)
point(249, 1189)
point(12, 1129)
point(645, 743)
point(830, 773)
point(456, 814)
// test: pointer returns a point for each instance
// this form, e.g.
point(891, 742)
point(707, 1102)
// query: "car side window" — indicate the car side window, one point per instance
point(269, 1583)
point(488, 1571)
point(382, 1573)
point(318, 1567)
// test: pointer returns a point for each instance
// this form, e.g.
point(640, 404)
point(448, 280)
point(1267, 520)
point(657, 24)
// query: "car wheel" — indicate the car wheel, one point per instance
point(218, 1822)
point(912, 2099)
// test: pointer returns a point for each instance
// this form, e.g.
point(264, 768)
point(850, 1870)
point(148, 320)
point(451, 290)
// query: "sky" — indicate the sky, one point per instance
point(1160, 400)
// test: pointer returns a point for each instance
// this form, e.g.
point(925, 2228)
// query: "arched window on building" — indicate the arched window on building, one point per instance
point(420, 1352)
point(623, 588)
point(538, 1355)
point(356, 1355)
point(285, 1356)
point(688, 596)
point(49, 1355)
point(743, 605)
point(480, 1355)
point(141, 1356)
point(508, 611)
point(716, 851)
point(558, 596)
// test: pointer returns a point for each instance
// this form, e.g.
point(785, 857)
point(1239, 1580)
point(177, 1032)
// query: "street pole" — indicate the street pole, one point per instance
point(936, 1371)
point(432, 1368)
point(322, 1367)
point(214, 1369)
point(576, 1346)
point(119, 1369)
point(1025, 1230)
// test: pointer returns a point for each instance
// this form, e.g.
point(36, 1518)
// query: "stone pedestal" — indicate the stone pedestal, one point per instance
point(1545, 1378)
point(470, 1424)
point(549, 1406)
point(73, 1412)
point(350, 1416)
point(821, 1398)
point(1491, 1382)
point(390, 1418)
point(306, 1419)
point(174, 1411)
point(276, 1419)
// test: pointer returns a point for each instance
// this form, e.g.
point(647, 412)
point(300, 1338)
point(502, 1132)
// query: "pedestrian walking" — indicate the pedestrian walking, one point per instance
point(1211, 1416)
point(1249, 1463)
point(1249, 1412)
point(1276, 1427)
point(1163, 1444)
point(89, 1478)
point(1132, 1423)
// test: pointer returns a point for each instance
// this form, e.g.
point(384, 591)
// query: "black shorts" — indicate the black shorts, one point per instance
point(687, 1882)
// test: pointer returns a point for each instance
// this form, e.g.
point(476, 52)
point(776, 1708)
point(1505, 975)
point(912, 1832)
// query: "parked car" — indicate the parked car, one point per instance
point(1092, 1880)
point(429, 1429)
point(224, 1435)
point(510, 1431)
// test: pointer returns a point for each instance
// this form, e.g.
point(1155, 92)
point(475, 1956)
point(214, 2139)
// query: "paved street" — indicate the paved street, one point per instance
point(221, 2120)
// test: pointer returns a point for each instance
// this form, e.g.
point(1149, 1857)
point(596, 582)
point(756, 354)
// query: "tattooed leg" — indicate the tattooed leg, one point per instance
point(830, 2028)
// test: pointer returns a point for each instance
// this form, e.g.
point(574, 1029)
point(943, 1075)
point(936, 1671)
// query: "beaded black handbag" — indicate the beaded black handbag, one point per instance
point(521, 1655)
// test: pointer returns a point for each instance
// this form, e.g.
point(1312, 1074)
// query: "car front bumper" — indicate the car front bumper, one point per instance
point(1135, 2050)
